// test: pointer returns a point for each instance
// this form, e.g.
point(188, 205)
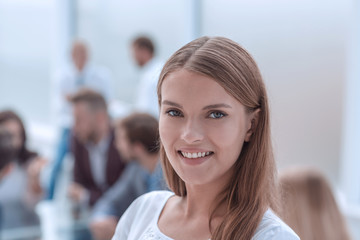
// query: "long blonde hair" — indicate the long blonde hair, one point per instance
point(309, 207)
point(250, 190)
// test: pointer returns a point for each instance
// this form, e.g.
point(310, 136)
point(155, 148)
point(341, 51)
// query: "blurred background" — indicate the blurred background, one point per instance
point(308, 53)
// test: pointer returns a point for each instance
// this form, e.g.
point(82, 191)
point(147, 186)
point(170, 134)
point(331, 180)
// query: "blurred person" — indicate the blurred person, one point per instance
point(80, 74)
point(7, 154)
point(137, 140)
point(143, 51)
point(97, 163)
point(19, 190)
point(309, 206)
point(215, 149)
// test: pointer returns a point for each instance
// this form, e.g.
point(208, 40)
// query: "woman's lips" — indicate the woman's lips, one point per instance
point(195, 158)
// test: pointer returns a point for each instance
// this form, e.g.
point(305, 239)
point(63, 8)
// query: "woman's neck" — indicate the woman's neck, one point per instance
point(201, 200)
point(189, 217)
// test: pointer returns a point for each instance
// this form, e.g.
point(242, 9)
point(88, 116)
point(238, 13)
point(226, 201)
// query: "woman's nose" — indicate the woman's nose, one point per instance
point(192, 132)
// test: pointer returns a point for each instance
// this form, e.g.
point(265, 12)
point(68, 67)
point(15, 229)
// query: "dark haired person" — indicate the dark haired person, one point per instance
point(143, 51)
point(97, 163)
point(19, 192)
point(7, 153)
point(137, 140)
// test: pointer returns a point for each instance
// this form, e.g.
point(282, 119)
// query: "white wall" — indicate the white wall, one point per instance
point(351, 123)
point(25, 33)
point(300, 47)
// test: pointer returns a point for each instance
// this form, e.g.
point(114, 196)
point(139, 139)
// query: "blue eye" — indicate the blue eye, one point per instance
point(217, 115)
point(174, 113)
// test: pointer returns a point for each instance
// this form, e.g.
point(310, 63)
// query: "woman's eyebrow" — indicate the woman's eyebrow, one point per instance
point(167, 102)
point(219, 105)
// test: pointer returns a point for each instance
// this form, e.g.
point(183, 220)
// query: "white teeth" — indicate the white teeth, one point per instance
point(195, 155)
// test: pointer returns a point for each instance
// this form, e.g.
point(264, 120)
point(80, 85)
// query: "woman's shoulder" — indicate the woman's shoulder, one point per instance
point(272, 227)
point(156, 197)
point(143, 212)
point(152, 200)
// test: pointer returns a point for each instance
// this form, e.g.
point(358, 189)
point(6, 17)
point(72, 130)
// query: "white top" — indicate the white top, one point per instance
point(16, 200)
point(98, 153)
point(139, 222)
point(147, 100)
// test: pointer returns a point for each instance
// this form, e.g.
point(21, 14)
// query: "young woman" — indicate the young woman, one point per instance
point(309, 206)
point(215, 150)
point(19, 191)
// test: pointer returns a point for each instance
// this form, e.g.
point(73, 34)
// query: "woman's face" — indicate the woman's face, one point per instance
point(202, 127)
point(14, 128)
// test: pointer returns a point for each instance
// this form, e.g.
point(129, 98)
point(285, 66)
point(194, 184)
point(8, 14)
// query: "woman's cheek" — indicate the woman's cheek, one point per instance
point(166, 132)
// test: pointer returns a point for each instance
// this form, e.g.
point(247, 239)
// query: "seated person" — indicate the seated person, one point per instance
point(309, 207)
point(137, 139)
point(97, 163)
point(7, 153)
point(18, 192)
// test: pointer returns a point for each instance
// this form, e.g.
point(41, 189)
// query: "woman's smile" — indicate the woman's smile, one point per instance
point(194, 156)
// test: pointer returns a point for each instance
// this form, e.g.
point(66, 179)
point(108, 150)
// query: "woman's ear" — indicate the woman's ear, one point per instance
point(253, 122)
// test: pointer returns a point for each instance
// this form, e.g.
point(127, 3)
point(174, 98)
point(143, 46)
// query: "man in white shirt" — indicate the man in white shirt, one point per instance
point(143, 51)
point(80, 74)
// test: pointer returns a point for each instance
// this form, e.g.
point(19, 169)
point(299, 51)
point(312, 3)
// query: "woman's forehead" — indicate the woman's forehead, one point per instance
point(189, 88)
point(184, 79)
